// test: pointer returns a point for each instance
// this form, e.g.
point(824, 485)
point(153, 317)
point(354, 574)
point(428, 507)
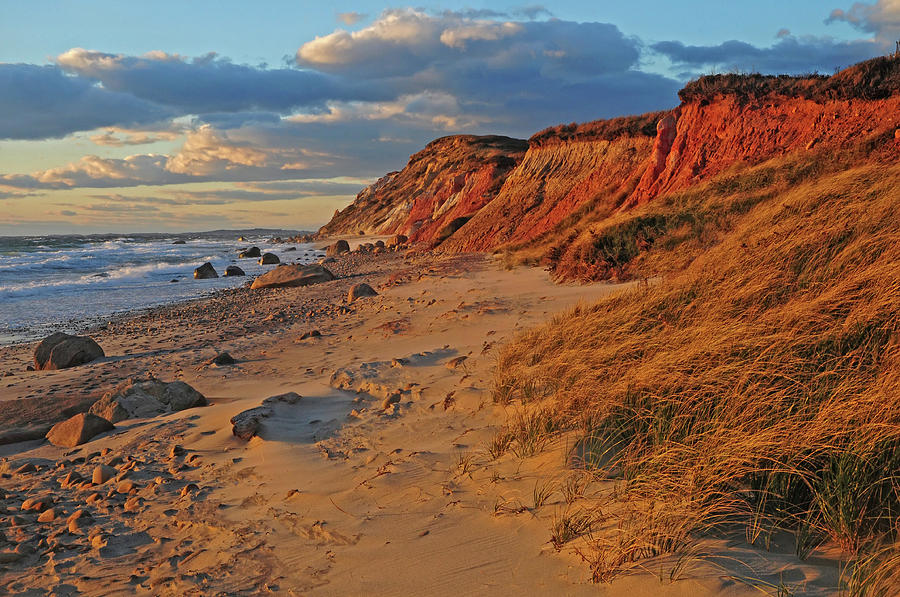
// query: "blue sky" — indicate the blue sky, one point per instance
point(123, 116)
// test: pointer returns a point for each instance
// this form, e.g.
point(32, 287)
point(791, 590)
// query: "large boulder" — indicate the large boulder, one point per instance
point(233, 270)
point(293, 275)
point(338, 248)
point(360, 290)
point(398, 240)
point(251, 252)
point(59, 351)
point(149, 397)
point(269, 259)
point(205, 271)
point(78, 430)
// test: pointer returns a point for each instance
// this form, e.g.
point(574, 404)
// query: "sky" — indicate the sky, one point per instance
point(176, 116)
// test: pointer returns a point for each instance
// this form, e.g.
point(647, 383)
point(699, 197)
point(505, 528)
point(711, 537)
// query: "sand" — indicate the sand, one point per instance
point(336, 495)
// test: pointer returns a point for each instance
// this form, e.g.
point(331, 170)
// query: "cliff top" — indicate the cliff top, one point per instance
point(874, 79)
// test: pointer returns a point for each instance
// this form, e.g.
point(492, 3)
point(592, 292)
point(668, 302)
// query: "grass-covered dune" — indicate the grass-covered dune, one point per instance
point(752, 386)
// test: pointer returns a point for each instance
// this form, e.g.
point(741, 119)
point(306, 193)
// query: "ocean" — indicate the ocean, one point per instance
point(62, 283)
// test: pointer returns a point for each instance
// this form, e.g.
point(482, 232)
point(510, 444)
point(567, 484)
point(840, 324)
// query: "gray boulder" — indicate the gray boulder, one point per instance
point(251, 252)
point(338, 248)
point(293, 275)
point(77, 430)
point(137, 398)
point(205, 271)
point(233, 270)
point(60, 351)
point(269, 259)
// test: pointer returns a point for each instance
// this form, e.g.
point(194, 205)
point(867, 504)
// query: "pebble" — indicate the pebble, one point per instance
point(102, 474)
point(47, 515)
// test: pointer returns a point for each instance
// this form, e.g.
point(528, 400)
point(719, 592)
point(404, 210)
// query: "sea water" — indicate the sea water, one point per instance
point(58, 283)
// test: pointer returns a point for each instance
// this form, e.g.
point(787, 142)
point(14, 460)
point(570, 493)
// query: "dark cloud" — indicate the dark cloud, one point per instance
point(212, 84)
point(40, 102)
point(790, 55)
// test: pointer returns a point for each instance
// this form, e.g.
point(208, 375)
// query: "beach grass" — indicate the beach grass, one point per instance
point(755, 387)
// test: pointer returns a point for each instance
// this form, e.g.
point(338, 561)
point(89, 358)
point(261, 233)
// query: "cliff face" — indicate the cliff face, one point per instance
point(481, 193)
point(447, 182)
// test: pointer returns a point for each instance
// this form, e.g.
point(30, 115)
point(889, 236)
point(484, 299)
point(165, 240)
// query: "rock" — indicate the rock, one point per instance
point(269, 259)
point(73, 478)
point(179, 242)
point(291, 249)
point(247, 424)
point(189, 489)
point(48, 515)
point(77, 521)
point(205, 272)
point(327, 260)
point(359, 291)
point(251, 252)
point(293, 275)
point(286, 398)
point(125, 486)
point(379, 244)
point(398, 240)
point(242, 239)
point(133, 503)
point(28, 467)
point(78, 430)
point(60, 351)
point(456, 363)
point(223, 358)
point(233, 270)
point(310, 334)
point(102, 474)
point(176, 450)
point(338, 248)
point(137, 397)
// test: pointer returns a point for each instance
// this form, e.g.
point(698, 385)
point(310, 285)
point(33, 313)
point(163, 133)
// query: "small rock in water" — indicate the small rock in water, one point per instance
point(233, 270)
point(205, 271)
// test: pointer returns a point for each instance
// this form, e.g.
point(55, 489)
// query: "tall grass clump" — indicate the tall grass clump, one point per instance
point(758, 387)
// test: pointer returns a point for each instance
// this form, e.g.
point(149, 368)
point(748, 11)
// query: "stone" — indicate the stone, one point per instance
point(60, 351)
point(251, 252)
point(233, 270)
point(70, 480)
point(338, 248)
point(103, 473)
point(359, 291)
point(396, 241)
point(48, 515)
point(269, 259)
point(379, 244)
point(246, 424)
point(310, 334)
point(146, 397)
point(286, 398)
point(125, 486)
point(189, 489)
point(77, 430)
point(205, 272)
point(223, 358)
point(179, 242)
point(28, 467)
point(133, 503)
point(293, 276)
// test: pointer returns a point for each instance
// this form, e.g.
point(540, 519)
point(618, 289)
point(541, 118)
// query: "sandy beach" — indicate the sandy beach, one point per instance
point(379, 480)
point(337, 496)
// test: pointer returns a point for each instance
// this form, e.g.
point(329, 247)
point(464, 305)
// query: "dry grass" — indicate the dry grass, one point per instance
point(757, 388)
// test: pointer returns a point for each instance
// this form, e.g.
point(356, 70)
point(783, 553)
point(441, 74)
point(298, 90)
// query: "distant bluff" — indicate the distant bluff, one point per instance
point(465, 193)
